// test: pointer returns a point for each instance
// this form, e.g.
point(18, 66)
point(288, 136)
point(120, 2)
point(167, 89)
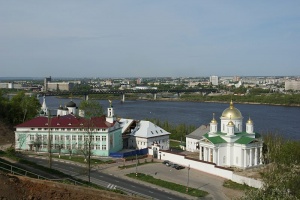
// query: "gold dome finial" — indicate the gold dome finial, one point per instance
point(213, 120)
point(231, 105)
point(249, 121)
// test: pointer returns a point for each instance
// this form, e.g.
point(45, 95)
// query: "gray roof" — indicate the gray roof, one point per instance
point(199, 132)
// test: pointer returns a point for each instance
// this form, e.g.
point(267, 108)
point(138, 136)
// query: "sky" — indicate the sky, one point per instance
point(149, 38)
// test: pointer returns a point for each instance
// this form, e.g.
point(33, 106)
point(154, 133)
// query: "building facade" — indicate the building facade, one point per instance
point(70, 134)
point(214, 80)
point(231, 146)
point(292, 85)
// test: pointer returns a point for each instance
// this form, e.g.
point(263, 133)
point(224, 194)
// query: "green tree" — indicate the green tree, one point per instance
point(91, 108)
point(281, 177)
point(23, 108)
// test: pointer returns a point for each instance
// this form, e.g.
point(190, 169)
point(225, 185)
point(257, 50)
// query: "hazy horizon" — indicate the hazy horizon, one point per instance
point(158, 38)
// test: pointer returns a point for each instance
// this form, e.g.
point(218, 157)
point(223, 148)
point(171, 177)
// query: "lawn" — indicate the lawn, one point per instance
point(169, 185)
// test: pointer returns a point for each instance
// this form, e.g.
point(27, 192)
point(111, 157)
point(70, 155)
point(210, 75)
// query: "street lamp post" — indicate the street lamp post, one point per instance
point(188, 180)
point(136, 164)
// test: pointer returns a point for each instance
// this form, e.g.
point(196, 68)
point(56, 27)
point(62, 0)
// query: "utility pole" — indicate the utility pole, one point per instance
point(188, 180)
point(49, 140)
point(136, 163)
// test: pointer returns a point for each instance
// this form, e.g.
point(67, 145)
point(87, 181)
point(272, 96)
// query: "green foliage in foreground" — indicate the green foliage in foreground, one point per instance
point(281, 177)
point(168, 185)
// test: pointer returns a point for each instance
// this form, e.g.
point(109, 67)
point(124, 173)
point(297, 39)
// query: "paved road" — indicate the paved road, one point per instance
point(109, 181)
point(197, 179)
point(111, 176)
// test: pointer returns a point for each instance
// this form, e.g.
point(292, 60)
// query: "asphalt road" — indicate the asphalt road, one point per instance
point(107, 180)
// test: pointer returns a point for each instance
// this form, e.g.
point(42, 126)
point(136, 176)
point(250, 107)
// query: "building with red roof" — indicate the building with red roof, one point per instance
point(71, 134)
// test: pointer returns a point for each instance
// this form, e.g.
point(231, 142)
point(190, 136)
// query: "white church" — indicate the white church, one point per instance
point(231, 146)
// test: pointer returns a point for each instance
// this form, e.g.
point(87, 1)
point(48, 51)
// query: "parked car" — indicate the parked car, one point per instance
point(169, 164)
point(174, 165)
point(179, 167)
point(165, 162)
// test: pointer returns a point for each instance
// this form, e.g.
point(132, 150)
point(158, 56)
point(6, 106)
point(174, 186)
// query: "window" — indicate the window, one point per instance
point(152, 132)
point(97, 146)
point(97, 138)
point(103, 147)
point(79, 146)
point(67, 137)
point(45, 137)
point(103, 138)
point(86, 138)
point(31, 137)
point(62, 137)
point(73, 137)
point(79, 137)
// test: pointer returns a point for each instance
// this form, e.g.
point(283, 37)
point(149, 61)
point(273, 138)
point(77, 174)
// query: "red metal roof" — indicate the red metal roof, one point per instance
point(67, 121)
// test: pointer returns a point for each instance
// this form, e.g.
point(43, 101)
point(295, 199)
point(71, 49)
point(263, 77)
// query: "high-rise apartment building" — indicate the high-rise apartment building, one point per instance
point(214, 80)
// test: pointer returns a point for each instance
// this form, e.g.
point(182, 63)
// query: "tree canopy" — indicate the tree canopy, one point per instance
point(281, 177)
point(91, 108)
point(19, 108)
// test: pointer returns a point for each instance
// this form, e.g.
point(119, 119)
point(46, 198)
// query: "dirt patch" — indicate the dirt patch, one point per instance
point(16, 187)
point(7, 135)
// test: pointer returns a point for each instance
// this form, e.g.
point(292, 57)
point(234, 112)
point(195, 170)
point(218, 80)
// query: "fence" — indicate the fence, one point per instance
point(130, 153)
point(21, 172)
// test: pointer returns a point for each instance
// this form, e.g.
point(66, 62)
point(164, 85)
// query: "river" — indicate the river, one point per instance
point(281, 120)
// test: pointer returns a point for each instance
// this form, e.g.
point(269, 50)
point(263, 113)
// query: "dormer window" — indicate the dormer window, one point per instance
point(69, 124)
point(58, 124)
point(152, 132)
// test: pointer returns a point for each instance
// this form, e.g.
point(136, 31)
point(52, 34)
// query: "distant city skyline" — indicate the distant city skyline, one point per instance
point(158, 38)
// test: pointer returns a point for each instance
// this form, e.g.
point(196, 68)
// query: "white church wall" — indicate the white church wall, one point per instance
point(222, 156)
point(195, 164)
point(191, 144)
point(208, 168)
point(248, 181)
point(237, 156)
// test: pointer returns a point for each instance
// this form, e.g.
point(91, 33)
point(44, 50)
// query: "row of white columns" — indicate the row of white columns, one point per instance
point(254, 158)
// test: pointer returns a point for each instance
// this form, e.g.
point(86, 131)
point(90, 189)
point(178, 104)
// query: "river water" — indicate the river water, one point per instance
point(276, 119)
